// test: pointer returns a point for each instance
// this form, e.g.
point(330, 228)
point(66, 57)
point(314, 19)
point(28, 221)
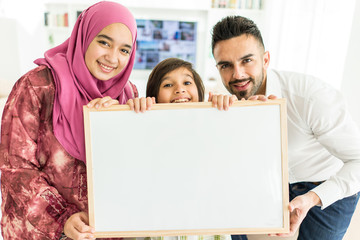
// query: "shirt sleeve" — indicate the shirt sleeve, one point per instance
point(27, 196)
point(334, 128)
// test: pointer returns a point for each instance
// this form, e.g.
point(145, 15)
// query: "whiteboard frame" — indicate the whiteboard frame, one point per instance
point(146, 233)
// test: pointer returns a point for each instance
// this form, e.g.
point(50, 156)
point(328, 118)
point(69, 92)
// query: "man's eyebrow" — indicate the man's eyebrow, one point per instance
point(222, 63)
point(242, 58)
point(112, 40)
point(247, 56)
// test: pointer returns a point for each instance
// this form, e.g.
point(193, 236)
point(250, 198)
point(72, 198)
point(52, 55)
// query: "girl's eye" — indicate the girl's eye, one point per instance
point(187, 83)
point(167, 85)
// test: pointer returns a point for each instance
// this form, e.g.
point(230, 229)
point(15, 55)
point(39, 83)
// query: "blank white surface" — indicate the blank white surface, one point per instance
point(187, 169)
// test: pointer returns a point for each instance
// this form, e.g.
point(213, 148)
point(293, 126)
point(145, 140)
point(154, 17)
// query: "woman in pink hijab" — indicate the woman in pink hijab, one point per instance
point(42, 150)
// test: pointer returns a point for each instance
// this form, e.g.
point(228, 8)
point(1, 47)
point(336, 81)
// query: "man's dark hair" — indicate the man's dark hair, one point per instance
point(234, 26)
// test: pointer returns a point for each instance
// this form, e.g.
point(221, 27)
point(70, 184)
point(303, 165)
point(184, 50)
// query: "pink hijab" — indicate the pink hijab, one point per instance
point(75, 86)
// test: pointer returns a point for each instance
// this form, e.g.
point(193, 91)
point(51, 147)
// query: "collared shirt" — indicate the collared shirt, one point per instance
point(323, 140)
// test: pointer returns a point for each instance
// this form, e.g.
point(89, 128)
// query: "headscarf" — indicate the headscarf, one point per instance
point(74, 84)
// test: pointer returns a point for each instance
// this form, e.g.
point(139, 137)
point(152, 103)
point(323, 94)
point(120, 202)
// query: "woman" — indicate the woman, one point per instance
point(42, 151)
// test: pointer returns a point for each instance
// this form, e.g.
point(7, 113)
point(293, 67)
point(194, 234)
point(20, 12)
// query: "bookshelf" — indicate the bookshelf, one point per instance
point(60, 17)
point(238, 4)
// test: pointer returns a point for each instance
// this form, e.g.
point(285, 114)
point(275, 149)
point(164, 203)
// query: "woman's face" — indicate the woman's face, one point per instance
point(178, 86)
point(109, 52)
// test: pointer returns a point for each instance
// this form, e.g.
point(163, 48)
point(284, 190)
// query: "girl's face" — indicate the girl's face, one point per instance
point(178, 86)
point(109, 52)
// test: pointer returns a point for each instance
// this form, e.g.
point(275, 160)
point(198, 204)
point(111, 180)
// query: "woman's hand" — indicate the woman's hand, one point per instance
point(221, 102)
point(77, 227)
point(141, 104)
point(102, 102)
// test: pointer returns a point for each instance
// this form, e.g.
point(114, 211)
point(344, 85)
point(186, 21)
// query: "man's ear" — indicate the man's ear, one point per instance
point(266, 59)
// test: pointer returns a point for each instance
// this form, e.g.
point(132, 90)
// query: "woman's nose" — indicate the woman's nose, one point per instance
point(112, 56)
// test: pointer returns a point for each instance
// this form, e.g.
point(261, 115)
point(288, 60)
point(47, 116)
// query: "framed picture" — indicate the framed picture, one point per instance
point(187, 169)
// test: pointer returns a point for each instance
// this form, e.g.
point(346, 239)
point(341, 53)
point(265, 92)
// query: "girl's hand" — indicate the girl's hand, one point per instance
point(77, 227)
point(141, 104)
point(102, 102)
point(221, 102)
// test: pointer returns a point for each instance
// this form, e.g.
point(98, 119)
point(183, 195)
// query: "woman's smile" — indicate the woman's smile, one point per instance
point(106, 68)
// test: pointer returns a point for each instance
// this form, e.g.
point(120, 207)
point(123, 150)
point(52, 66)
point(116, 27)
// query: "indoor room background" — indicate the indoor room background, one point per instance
point(317, 37)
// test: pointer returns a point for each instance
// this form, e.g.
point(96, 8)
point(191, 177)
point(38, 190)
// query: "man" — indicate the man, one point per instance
point(323, 140)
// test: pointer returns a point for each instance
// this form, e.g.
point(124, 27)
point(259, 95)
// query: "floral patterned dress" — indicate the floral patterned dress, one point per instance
point(41, 184)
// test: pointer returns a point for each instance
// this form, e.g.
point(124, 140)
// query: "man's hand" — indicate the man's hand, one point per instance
point(77, 228)
point(262, 97)
point(298, 208)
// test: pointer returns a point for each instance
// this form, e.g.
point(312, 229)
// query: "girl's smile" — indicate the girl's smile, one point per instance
point(178, 86)
point(180, 100)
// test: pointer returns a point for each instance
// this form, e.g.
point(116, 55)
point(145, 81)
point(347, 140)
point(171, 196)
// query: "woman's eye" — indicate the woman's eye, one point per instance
point(104, 43)
point(125, 51)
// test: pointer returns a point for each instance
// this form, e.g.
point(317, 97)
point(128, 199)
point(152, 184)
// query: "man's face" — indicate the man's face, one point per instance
point(242, 64)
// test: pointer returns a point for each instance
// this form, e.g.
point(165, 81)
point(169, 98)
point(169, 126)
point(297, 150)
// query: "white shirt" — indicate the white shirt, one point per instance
point(323, 140)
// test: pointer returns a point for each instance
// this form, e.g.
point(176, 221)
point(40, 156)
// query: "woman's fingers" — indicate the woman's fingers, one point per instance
point(102, 102)
point(77, 228)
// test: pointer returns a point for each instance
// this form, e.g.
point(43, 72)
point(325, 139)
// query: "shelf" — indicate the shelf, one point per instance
point(199, 11)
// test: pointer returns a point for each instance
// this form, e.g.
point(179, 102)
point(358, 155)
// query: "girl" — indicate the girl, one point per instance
point(42, 153)
point(175, 81)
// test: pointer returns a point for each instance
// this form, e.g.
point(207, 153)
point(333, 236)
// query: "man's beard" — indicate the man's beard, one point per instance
point(245, 94)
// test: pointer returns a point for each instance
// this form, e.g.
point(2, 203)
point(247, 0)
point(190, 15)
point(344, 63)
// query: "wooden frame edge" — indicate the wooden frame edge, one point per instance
point(284, 161)
point(284, 165)
point(89, 166)
point(189, 232)
point(169, 106)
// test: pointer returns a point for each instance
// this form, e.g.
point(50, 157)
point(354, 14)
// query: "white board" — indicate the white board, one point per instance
point(189, 169)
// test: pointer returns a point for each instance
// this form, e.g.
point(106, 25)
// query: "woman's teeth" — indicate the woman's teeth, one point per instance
point(106, 67)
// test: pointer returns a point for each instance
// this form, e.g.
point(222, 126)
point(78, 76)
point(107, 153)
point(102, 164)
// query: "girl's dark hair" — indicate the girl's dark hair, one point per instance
point(234, 26)
point(166, 66)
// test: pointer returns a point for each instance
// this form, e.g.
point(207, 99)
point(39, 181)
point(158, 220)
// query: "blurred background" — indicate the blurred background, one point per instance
point(317, 37)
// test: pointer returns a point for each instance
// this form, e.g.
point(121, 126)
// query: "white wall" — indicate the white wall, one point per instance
point(351, 78)
point(330, 50)
point(10, 59)
point(22, 37)
point(310, 36)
